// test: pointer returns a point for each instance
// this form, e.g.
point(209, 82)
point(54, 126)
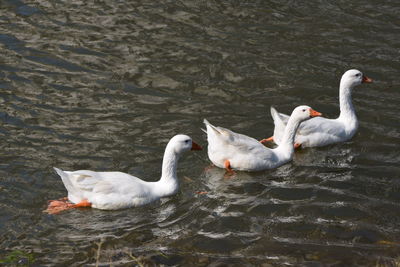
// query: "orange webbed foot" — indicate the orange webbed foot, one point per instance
point(57, 206)
point(83, 204)
point(266, 140)
point(229, 171)
point(297, 146)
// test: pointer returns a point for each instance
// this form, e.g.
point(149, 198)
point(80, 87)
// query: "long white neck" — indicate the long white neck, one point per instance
point(168, 184)
point(347, 112)
point(287, 143)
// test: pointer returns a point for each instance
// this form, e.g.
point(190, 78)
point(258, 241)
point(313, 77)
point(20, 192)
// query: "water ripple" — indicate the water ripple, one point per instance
point(104, 85)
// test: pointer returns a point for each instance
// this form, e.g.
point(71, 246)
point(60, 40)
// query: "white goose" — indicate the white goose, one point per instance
point(323, 131)
point(230, 150)
point(118, 190)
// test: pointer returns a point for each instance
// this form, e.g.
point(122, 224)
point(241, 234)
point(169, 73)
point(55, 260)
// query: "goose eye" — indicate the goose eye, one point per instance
point(358, 74)
point(304, 110)
point(187, 141)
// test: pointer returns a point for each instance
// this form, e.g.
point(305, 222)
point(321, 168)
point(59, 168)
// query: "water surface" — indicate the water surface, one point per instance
point(103, 85)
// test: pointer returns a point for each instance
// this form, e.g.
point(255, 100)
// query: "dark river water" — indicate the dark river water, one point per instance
point(103, 85)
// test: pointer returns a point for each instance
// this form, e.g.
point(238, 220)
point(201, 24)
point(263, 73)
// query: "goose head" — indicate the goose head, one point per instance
point(182, 143)
point(353, 78)
point(302, 113)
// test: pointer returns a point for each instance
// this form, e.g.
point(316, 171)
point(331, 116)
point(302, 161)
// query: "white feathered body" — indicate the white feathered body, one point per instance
point(322, 131)
point(118, 190)
point(317, 131)
point(243, 152)
point(109, 190)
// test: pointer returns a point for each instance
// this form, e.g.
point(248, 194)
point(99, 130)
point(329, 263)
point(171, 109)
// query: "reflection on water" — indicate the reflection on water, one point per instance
point(103, 85)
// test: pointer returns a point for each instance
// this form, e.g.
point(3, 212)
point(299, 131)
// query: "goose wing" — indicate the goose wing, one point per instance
point(227, 137)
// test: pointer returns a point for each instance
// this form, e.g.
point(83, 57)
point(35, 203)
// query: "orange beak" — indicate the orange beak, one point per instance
point(314, 113)
point(196, 146)
point(366, 79)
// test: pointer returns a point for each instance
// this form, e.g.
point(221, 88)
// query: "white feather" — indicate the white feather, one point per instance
point(322, 131)
point(117, 190)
